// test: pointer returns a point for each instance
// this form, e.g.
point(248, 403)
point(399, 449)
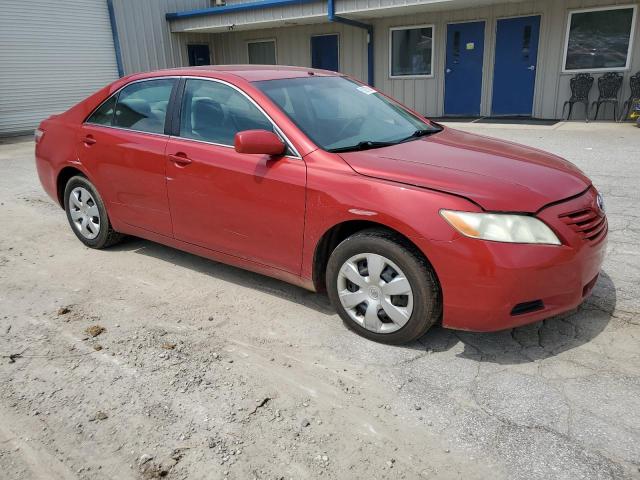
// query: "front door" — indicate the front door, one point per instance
point(325, 52)
point(514, 73)
point(198, 55)
point(463, 79)
point(250, 206)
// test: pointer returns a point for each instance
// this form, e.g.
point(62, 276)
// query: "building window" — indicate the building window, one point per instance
point(262, 52)
point(411, 51)
point(599, 39)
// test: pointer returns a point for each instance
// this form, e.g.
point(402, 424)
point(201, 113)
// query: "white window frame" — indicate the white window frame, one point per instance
point(263, 40)
point(599, 9)
point(433, 49)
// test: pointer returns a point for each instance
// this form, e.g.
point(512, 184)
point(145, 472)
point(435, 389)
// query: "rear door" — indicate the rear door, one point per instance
point(249, 206)
point(122, 144)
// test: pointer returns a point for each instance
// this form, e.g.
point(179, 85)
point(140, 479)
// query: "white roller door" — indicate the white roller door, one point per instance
point(52, 54)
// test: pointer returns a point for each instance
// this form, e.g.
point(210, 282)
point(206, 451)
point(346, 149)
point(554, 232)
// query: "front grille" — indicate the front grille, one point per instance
point(587, 222)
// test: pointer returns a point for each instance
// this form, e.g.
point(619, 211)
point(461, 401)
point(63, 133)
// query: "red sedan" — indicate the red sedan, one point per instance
point(321, 181)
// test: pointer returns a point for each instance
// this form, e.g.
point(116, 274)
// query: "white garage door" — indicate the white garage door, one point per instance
point(52, 54)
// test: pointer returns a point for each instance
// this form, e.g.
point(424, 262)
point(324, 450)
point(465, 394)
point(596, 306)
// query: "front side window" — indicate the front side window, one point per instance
point(142, 106)
point(599, 39)
point(262, 53)
point(338, 114)
point(104, 113)
point(214, 112)
point(411, 51)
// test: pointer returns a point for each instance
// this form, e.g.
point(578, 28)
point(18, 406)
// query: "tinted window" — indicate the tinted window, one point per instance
point(104, 114)
point(599, 39)
point(214, 112)
point(411, 51)
point(262, 53)
point(142, 106)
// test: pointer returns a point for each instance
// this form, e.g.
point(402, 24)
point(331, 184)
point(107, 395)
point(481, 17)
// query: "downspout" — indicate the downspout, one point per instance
point(116, 40)
point(331, 14)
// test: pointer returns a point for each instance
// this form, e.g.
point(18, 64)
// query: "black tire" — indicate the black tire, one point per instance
point(107, 236)
point(427, 303)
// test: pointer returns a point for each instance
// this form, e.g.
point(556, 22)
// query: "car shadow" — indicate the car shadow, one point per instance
point(318, 302)
point(532, 342)
point(515, 346)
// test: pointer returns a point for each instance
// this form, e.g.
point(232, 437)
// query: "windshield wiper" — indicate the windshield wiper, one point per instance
point(418, 134)
point(365, 145)
point(368, 144)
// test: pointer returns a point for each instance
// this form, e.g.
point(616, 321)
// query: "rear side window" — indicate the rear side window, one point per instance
point(104, 114)
point(215, 112)
point(142, 106)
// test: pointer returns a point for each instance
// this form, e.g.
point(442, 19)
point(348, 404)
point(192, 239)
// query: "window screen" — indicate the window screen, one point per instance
point(599, 39)
point(262, 53)
point(215, 112)
point(142, 106)
point(411, 51)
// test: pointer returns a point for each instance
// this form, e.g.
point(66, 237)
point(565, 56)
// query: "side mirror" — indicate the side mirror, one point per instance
point(259, 142)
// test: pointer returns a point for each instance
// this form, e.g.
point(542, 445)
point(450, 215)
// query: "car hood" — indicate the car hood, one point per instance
point(496, 174)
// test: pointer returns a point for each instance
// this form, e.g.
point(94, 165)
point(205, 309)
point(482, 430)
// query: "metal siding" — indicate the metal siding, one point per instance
point(145, 37)
point(246, 18)
point(552, 86)
point(293, 46)
point(424, 95)
point(53, 54)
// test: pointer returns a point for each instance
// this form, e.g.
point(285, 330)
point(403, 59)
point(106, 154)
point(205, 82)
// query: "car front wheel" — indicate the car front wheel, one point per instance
point(87, 215)
point(382, 287)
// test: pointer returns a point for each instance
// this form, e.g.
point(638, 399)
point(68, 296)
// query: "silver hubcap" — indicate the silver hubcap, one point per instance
point(84, 213)
point(375, 293)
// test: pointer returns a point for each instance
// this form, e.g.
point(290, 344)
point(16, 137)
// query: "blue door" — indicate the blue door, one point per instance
point(514, 74)
point(324, 52)
point(463, 74)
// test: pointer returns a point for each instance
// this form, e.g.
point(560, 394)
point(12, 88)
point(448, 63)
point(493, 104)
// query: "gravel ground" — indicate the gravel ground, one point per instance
point(142, 361)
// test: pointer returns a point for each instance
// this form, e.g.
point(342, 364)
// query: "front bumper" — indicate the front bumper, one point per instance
point(491, 286)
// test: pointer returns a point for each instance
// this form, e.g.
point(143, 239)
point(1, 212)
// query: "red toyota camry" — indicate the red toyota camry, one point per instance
point(321, 181)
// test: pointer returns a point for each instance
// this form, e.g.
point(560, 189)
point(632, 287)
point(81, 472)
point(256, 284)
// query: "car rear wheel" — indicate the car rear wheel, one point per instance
point(382, 287)
point(87, 215)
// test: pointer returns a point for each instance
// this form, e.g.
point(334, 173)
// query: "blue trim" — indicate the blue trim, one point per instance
point(240, 7)
point(116, 40)
point(331, 15)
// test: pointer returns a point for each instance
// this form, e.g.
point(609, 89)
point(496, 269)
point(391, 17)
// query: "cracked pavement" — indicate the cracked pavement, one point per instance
point(207, 371)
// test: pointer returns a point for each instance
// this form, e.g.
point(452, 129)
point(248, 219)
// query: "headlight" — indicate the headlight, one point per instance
point(501, 227)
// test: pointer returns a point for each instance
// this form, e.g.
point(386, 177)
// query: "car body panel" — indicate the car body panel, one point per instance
point(131, 169)
point(270, 215)
point(242, 204)
point(498, 175)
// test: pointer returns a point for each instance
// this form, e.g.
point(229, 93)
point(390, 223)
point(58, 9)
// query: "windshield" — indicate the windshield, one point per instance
point(338, 114)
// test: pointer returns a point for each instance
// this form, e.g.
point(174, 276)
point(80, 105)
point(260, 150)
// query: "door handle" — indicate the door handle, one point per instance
point(89, 140)
point(448, 70)
point(532, 68)
point(180, 159)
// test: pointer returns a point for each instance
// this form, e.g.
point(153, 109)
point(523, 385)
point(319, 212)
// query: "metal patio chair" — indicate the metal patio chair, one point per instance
point(580, 85)
point(634, 83)
point(608, 88)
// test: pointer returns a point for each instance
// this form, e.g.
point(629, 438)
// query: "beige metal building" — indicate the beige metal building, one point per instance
point(440, 57)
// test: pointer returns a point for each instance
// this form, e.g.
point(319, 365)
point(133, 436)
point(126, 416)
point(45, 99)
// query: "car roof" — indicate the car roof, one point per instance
point(250, 73)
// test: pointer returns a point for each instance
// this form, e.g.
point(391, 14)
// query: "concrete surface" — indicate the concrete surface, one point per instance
point(207, 371)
